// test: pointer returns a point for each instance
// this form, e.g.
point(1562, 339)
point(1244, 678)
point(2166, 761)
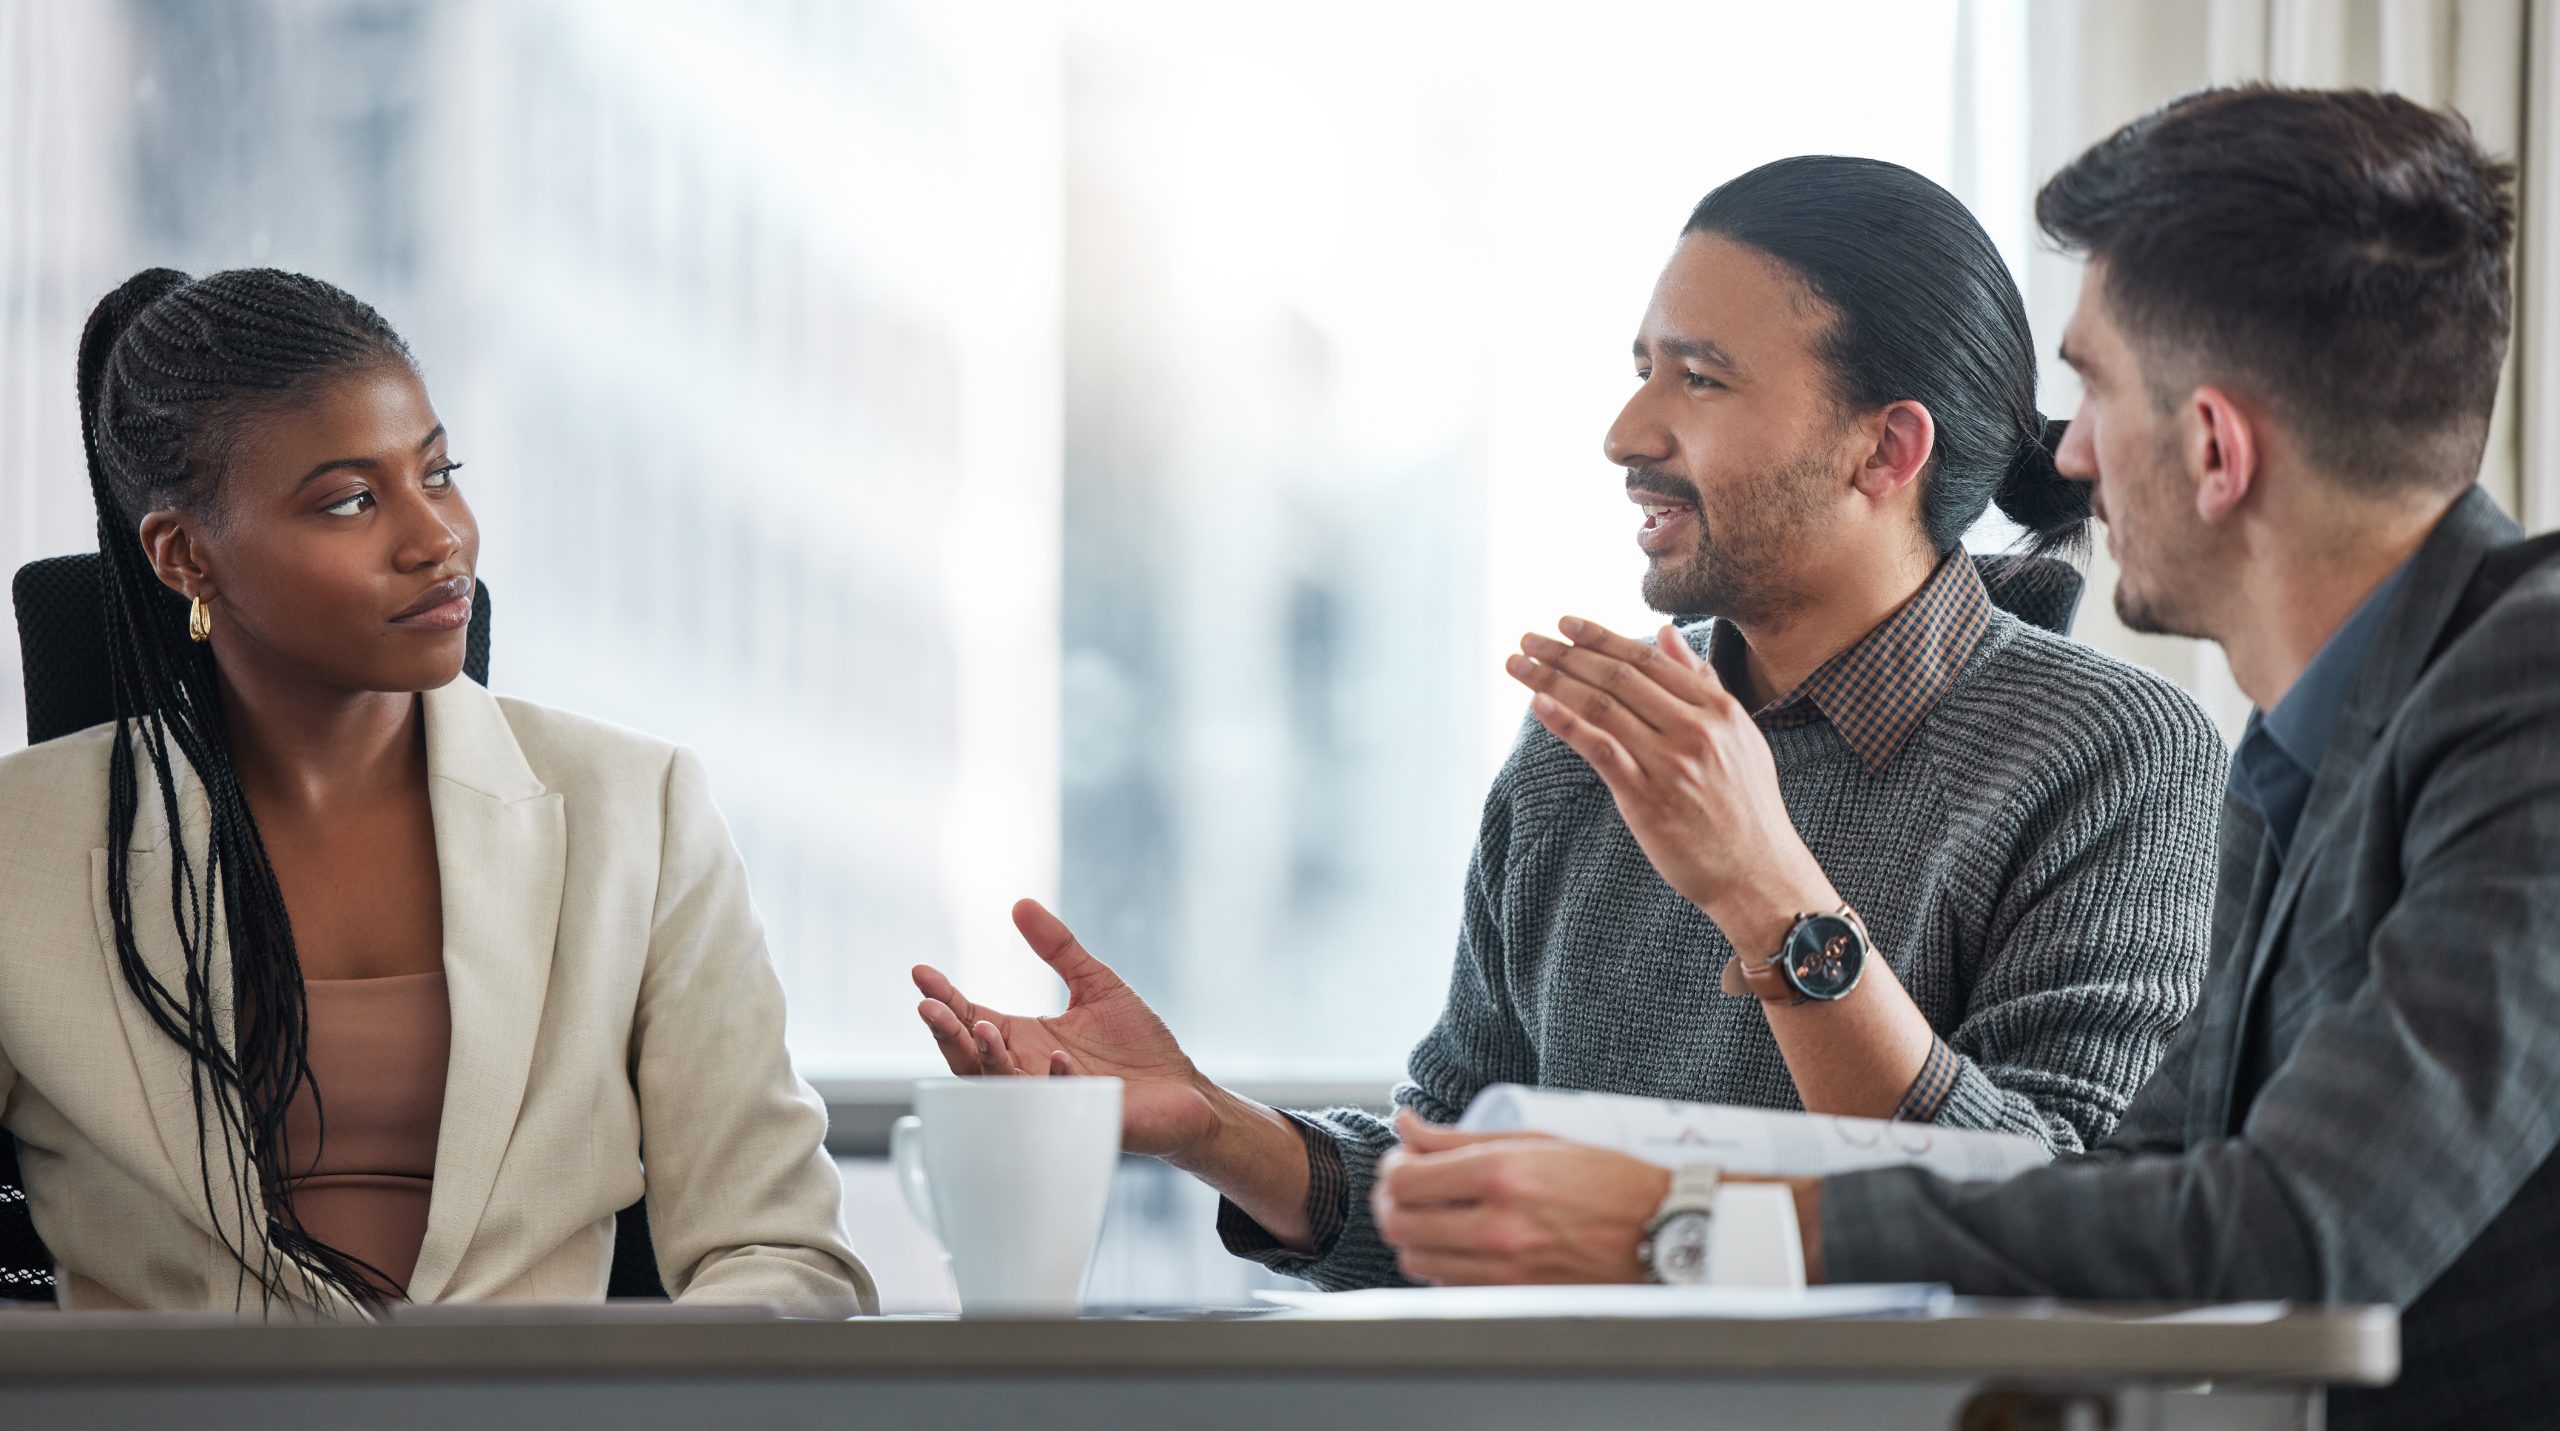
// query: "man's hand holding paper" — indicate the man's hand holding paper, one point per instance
point(1471, 1209)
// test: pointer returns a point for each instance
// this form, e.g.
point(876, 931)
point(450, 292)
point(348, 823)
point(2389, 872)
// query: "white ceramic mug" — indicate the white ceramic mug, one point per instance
point(1753, 1240)
point(1013, 1175)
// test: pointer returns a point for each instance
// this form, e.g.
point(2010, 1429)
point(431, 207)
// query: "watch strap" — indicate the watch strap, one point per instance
point(1693, 1189)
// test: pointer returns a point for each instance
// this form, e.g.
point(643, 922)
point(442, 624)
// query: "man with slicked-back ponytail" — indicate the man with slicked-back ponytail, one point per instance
point(2289, 336)
point(328, 979)
point(1854, 838)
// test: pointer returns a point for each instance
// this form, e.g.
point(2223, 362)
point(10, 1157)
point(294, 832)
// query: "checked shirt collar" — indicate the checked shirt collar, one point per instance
point(1878, 691)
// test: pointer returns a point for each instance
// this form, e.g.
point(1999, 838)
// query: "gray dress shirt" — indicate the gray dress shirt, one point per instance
point(2280, 751)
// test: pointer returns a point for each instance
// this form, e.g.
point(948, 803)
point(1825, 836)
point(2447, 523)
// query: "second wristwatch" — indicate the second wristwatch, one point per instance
point(1820, 960)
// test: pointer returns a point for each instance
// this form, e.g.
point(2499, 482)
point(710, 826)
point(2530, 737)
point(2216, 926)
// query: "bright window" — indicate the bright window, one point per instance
point(1098, 450)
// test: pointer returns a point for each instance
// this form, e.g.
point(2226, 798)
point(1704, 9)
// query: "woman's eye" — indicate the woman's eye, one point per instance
point(440, 478)
point(353, 506)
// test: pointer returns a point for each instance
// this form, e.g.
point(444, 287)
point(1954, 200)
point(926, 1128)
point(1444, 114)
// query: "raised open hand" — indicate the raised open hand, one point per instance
point(1106, 1031)
point(1691, 773)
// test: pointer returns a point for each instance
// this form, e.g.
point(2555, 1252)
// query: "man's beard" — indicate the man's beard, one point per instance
point(2178, 556)
point(2158, 615)
point(2147, 616)
point(1738, 570)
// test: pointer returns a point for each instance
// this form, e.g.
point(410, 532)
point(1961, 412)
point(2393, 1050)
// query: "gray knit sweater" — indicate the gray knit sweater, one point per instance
point(2037, 865)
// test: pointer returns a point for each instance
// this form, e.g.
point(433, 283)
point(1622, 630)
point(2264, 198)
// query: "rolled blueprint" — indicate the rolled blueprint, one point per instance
point(1747, 1140)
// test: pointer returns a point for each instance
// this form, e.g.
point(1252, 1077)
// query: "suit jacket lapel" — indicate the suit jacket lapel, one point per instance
point(501, 854)
point(2242, 894)
point(2339, 766)
point(2438, 573)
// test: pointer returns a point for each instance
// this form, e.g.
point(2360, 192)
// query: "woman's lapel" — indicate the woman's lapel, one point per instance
point(502, 858)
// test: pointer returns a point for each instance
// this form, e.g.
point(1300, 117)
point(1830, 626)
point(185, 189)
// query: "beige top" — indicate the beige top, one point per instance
point(365, 1155)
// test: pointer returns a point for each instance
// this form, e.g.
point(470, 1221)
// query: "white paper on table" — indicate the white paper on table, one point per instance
point(1761, 1141)
point(580, 1313)
point(2226, 1314)
point(1390, 1304)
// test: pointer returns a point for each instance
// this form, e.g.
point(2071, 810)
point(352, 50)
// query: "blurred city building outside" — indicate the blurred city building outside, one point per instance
point(1093, 449)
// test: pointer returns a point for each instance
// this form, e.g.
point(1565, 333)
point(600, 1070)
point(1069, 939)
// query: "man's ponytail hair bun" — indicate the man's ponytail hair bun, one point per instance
point(2035, 495)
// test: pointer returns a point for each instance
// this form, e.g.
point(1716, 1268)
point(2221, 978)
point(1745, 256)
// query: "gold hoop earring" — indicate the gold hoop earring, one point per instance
point(199, 621)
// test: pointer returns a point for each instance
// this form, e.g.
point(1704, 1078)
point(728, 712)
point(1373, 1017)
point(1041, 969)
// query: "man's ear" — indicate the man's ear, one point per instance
point(169, 541)
point(1903, 441)
point(2222, 449)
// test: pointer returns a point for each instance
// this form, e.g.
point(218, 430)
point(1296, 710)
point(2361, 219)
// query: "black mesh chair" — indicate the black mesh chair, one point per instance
point(2037, 590)
point(62, 638)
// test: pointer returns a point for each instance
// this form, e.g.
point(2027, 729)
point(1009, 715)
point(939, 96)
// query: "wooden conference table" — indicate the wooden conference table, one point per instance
point(1972, 1365)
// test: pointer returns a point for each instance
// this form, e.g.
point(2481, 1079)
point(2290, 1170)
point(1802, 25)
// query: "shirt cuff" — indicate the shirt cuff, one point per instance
point(1328, 1204)
point(1928, 1092)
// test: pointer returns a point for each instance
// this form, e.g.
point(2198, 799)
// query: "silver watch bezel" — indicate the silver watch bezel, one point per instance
point(1692, 1198)
point(1688, 1228)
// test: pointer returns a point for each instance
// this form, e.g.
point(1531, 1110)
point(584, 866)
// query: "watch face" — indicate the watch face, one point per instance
point(1824, 957)
point(1680, 1250)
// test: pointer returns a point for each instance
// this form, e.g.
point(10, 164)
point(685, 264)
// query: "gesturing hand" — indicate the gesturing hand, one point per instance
point(1691, 773)
point(1107, 1031)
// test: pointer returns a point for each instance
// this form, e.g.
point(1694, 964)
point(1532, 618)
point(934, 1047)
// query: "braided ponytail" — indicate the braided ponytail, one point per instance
point(168, 368)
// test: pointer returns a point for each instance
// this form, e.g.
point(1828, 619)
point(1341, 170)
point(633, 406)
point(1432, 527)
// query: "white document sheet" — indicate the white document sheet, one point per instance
point(1748, 1140)
point(1391, 1304)
point(2228, 1314)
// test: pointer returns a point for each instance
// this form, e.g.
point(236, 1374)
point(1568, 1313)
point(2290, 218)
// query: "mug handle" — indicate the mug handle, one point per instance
point(906, 1156)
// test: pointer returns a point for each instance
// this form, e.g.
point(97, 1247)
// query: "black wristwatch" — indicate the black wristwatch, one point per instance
point(1820, 960)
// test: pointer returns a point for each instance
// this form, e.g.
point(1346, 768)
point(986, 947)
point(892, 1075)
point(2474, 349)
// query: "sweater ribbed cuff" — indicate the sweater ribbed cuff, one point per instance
point(1328, 1206)
point(1973, 1101)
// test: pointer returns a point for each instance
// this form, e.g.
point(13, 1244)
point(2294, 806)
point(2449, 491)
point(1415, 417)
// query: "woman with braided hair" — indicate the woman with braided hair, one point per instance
point(328, 979)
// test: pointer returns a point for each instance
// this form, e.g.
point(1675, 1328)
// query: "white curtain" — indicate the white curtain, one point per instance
point(2492, 60)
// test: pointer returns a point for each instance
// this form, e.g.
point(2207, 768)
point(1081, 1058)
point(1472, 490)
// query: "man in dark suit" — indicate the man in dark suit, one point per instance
point(2290, 333)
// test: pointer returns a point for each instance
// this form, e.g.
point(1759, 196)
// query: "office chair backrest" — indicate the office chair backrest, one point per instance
point(2040, 591)
point(62, 641)
point(62, 644)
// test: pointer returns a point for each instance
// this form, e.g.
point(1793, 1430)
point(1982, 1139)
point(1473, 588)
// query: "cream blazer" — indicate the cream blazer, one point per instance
point(611, 998)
